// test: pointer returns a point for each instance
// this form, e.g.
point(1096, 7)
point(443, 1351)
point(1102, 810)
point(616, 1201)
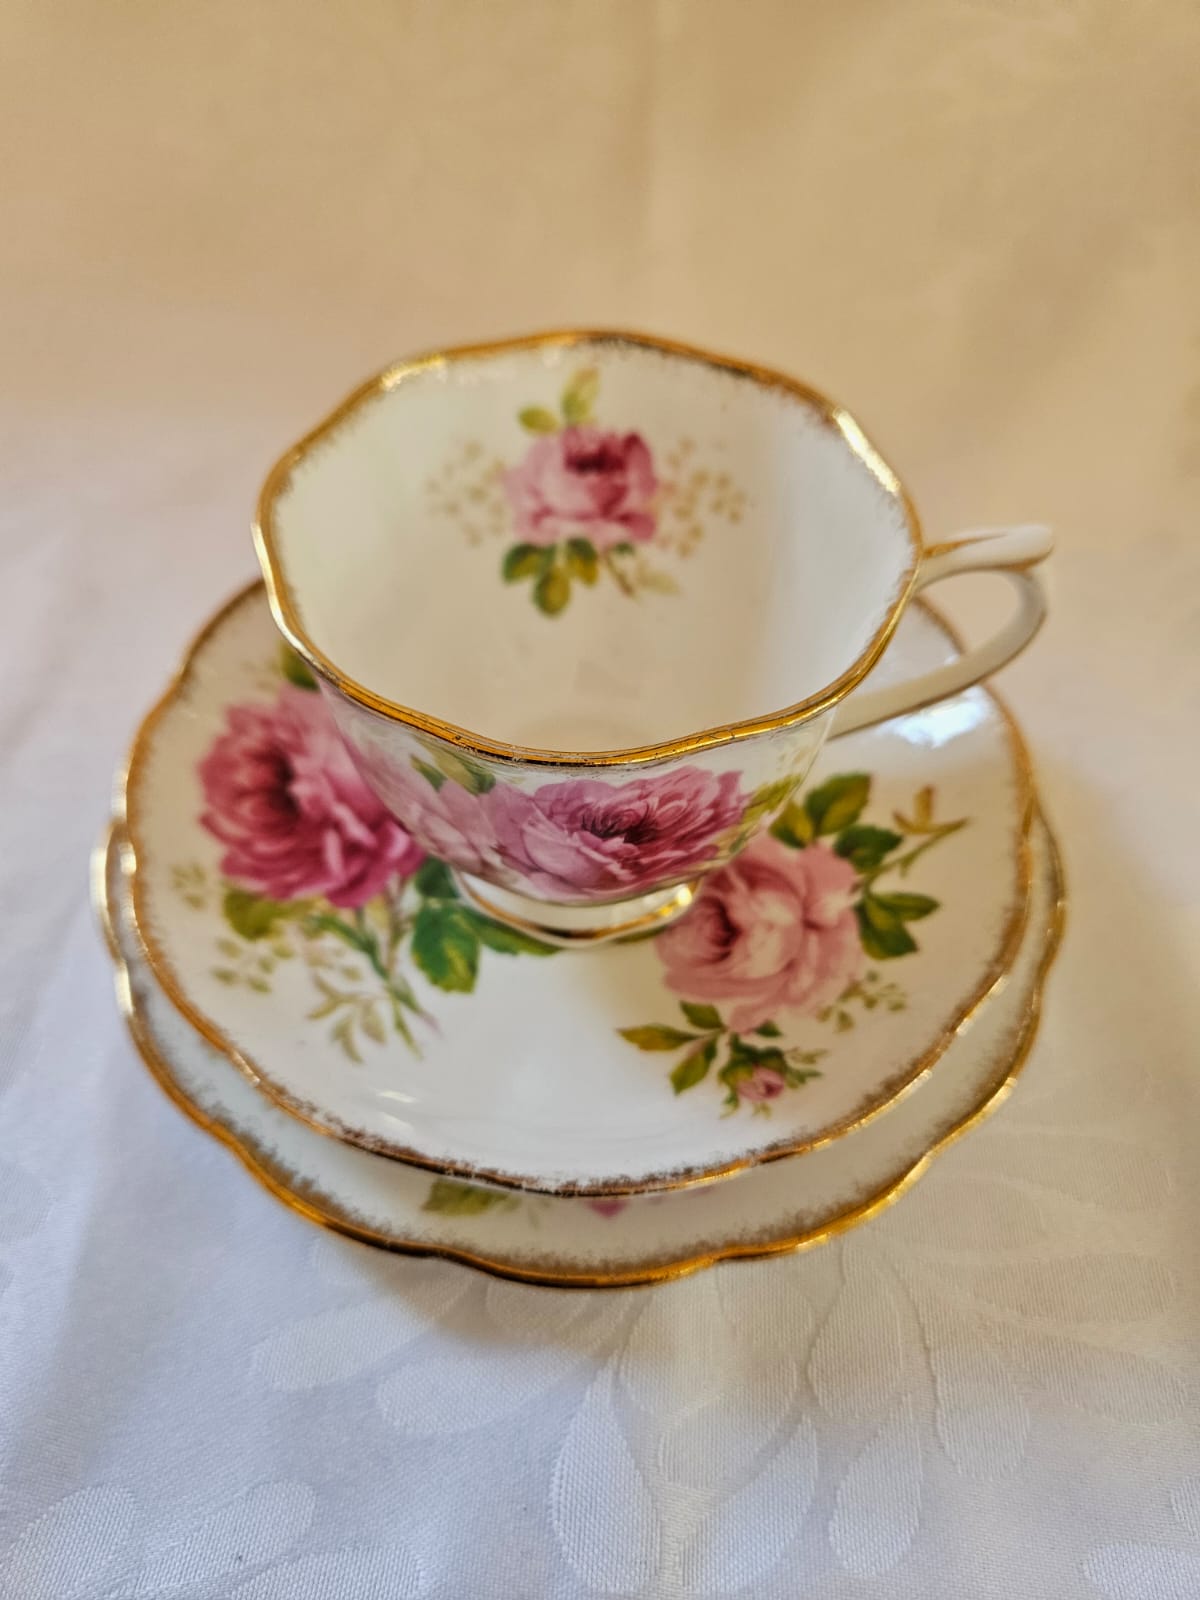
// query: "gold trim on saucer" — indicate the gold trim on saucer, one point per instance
point(129, 807)
point(321, 1209)
point(286, 611)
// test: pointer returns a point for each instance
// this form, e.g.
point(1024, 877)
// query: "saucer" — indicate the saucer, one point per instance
point(816, 978)
point(582, 1242)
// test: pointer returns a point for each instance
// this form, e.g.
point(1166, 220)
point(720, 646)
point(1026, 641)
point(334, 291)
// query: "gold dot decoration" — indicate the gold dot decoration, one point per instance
point(693, 498)
point(468, 491)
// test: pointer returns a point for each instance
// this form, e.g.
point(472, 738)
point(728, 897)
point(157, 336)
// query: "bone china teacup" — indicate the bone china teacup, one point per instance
point(585, 607)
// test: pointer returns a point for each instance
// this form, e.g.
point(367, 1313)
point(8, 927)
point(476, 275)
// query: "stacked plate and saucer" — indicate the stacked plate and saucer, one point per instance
point(469, 883)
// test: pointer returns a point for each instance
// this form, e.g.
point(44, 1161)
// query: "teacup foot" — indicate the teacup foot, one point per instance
point(579, 927)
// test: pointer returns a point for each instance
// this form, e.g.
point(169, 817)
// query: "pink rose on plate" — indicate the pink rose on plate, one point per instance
point(285, 799)
point(584, 483)
point(773, 931)
point(585, 839)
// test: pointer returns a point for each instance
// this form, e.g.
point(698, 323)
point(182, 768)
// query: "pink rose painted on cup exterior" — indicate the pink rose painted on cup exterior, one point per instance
point(448, 822)
point(577, 840)
point(584, 483)
point(296, 819)
point(584, 839)
point(772, 931)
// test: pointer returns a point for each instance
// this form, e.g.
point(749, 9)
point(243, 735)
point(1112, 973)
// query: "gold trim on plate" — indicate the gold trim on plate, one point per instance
point(325, 1212)
point(130, 808)
point(286, 611)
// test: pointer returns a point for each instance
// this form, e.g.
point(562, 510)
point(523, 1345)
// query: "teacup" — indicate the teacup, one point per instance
point(586, 605)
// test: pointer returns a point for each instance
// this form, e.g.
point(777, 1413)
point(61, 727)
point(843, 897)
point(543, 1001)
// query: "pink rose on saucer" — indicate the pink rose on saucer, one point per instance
point(285, 799)
point(585, 839)
point(773, 931)
point(761, 1085)
point(584, 483)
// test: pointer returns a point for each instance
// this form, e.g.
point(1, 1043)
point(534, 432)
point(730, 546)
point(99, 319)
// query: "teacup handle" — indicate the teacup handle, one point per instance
point(1012, 552)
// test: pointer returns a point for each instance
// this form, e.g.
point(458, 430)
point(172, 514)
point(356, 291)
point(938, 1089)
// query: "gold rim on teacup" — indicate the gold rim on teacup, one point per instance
point(287, 613)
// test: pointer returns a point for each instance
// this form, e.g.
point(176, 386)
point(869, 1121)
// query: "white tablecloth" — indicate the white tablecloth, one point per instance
point(974, 220)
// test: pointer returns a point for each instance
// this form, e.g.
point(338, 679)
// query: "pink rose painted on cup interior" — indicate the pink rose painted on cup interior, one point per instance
point(772, 931)
point(586, 483)
point(285, 799)
point(584, 839)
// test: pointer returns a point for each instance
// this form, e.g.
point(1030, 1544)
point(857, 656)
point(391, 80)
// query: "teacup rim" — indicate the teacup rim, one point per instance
point(286, 612)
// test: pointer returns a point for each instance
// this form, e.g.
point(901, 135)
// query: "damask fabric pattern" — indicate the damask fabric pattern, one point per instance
point(973, 219)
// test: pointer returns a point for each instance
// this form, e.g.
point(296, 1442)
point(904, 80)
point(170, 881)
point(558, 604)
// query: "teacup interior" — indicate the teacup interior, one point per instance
point(590, 545)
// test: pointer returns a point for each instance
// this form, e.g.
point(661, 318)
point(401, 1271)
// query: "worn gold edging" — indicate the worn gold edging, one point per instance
point(320, 1210)
point(287, 613)
point(686, 1178)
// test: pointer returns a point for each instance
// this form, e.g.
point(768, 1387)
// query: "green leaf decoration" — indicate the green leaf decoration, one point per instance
point(357, 938)
point(908, 907)
point(743, 1058)
point(795, 1077)
point(776, 1060)
point(742, 1055)
point(864, 847)
point(343, 1033)
point(582, 561)
point(526, 561)
point(294, 667)
point(463, 1199)
point(508, 941)
point(430, 774)
point(625, 548)
point(434, 880)
point(769, 1030)
point(694, 1067)
point(656, 1038)
point(767, 799)
point(552, 591)
point(333, 999)
point(538, 420)
point(251, 915)
point(580, 396)
point(701, 1016)
point(883, 933)
point(445, 946)
point(838, 802)
point(921, 819)
point(466, 773)
point(794, 827)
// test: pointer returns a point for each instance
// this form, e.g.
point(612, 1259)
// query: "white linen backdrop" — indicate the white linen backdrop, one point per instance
point(976, 222)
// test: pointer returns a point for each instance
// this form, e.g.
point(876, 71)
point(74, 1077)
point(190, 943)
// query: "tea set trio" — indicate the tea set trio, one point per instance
point(586, 853)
